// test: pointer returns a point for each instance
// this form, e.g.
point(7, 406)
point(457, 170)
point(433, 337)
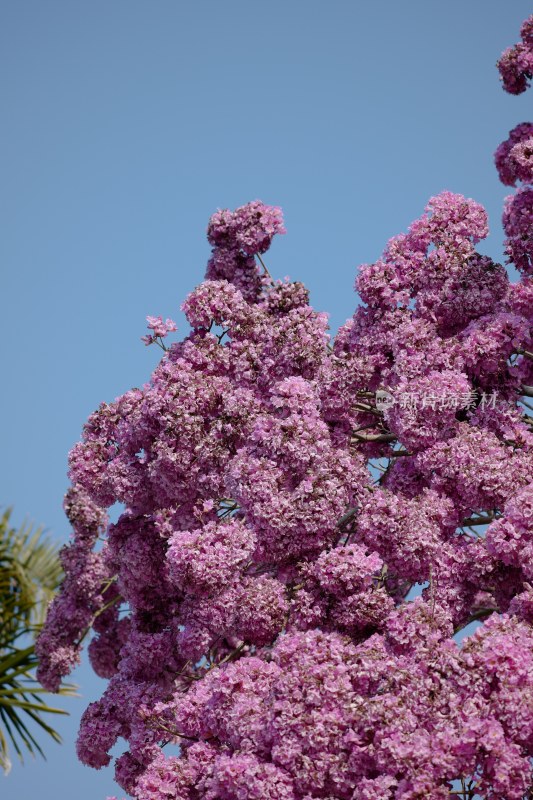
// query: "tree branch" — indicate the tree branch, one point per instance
point(375, 437)
point(471, 521)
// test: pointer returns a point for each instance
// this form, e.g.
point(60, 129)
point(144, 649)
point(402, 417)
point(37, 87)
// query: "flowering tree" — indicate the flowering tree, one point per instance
point(283, 495)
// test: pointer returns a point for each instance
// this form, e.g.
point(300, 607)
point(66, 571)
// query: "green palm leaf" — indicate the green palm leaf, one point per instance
point(30, 573)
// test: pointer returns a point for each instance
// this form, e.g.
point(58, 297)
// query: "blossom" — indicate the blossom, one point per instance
point(160, 329)
point(249, 228)
point(511, 157)
point(518, 225)
point(205, 559)
point(516, 63)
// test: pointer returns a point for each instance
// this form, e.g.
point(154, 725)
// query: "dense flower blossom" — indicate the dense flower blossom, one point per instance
point(463, 295)
point(202, 560)
point(518, 225)
point(83, 595)
point(250, 228)
point(513, 157)
point(284, 497)
point(237, 236)
point(511, 538)
point(516, 63)
point(437, 245)
point(426, 409)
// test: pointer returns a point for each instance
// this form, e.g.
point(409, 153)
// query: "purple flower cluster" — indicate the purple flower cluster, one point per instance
point(237, 236)
point(514, 157)
point(160, 329)
point(85, 590)
point(250, 605)
point(518, 225)
point(516, 63)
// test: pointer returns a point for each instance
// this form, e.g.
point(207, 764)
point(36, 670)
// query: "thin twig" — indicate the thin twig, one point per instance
point(267, 273)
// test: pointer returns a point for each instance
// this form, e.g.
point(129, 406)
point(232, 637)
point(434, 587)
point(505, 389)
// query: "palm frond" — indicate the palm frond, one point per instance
point(30, 570)
point(30, 573)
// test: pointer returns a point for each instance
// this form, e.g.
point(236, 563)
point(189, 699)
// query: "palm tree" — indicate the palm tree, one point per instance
point(30, 573)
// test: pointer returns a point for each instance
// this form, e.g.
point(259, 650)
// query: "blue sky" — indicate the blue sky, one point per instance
point(125, 124)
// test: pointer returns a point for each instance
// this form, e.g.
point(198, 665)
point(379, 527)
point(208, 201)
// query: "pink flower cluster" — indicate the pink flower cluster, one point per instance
point(516, 63)
point(160, 329)
point(252, 606)
point(514, 157)
point(518, 225)
point(85, 591)
point(237, 236)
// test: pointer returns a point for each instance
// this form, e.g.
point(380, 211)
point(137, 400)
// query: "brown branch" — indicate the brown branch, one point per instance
point(471, 521)
point(267, 273)
point(365, 427)
point(117, 599)
point(347, 517)
point(234, 653)
point(367, 409)
point(483, 613)
point(375, 437)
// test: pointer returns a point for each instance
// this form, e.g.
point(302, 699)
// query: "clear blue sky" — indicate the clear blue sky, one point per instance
point(126, 123)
